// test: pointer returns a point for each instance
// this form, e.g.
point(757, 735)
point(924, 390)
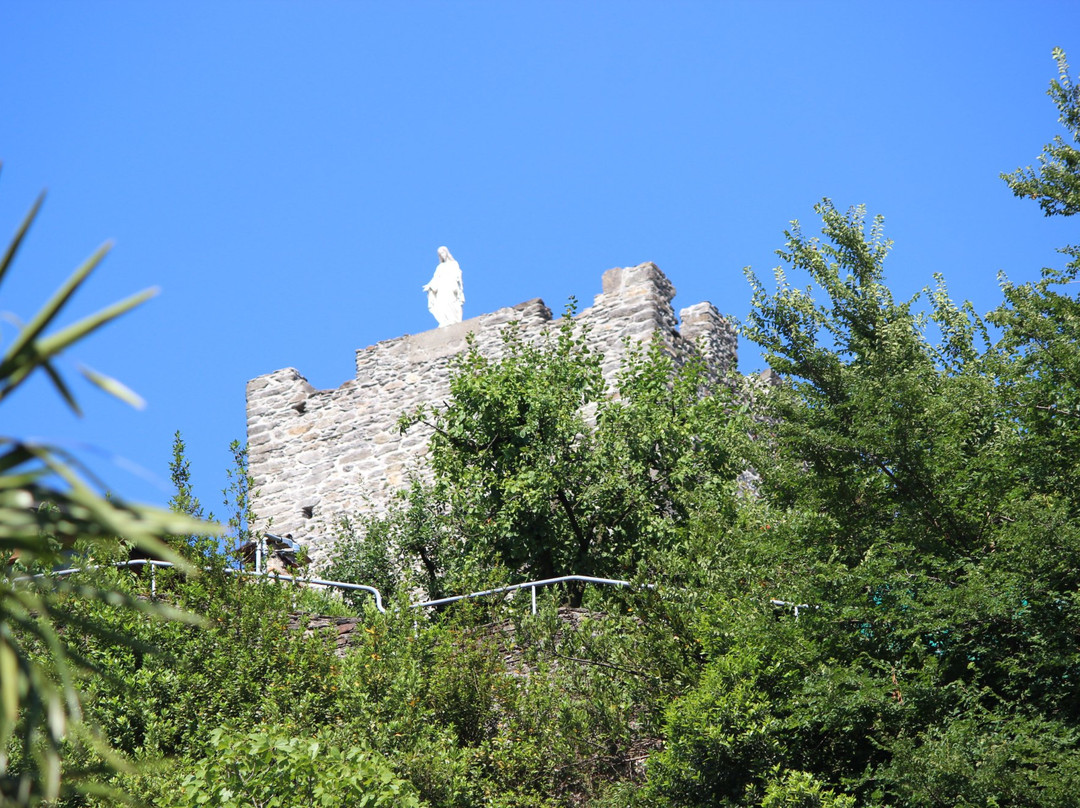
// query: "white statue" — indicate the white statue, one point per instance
point(445, 294)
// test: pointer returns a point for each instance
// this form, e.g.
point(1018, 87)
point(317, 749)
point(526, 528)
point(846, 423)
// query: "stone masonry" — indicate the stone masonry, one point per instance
point(318, 455)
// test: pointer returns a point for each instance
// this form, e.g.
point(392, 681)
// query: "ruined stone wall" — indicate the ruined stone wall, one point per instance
point(316, 455)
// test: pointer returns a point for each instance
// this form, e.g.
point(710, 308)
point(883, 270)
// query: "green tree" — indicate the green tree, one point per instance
point(541, 470)
point(911, 494)
point(45, 507)
point(1040, 321)
point(184, 500)
point(885, 422)
point(921, 496)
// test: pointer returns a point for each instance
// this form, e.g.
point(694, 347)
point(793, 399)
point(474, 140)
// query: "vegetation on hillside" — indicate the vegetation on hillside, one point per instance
point(884, 612)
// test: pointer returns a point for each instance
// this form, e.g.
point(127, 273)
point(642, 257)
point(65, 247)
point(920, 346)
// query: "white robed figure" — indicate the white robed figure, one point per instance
point(445, 293)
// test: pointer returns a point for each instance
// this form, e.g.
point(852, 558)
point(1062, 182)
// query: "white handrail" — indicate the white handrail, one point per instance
point(532, 585)
point(154, 564)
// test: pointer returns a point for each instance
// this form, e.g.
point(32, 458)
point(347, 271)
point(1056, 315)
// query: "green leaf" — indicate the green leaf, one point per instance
point(20, 234)
point(22, 359)
point(114, 387)
point(33, 329)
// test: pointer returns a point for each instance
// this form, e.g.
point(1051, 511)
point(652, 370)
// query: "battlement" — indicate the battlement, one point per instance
point(318, 455)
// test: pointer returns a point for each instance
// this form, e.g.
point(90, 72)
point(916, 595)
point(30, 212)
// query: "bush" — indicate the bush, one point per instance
point(265, 768)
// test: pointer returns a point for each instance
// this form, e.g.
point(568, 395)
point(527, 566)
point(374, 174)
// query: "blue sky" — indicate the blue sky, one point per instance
point(285, 172)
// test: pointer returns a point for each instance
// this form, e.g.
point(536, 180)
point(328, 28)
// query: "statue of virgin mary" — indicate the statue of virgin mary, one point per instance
point(445, 293)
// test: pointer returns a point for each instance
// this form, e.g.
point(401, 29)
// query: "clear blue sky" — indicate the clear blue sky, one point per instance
point(286, 171)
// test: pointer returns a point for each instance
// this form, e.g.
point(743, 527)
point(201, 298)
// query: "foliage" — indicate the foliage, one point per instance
point(1056, 184)
point(184, 500)
point(921, 498)
point(45, 507)
point(1040, 321)
point(239, 497)
point(445, 703)
point(244, 664)
point(884, 421)
point(260, 768)
point(441, 702)
point(984, 759)
point(541, 470)
point(802, 790)
point(534, 711)
point(379, 551)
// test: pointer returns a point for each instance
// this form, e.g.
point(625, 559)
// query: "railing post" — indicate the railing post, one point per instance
point(153, 581)
point(533, 590)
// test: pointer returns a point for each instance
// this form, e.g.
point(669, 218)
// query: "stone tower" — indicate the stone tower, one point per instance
point(317, 455)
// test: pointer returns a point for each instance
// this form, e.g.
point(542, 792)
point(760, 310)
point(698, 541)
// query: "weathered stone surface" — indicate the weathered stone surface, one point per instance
point(318, 455)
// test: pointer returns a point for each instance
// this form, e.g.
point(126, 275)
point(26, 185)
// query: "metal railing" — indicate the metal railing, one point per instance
point(154, 564)
point(531, 585)
point(135, 562)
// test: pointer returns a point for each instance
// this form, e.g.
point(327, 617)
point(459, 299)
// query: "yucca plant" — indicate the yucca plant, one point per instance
point(46, 504)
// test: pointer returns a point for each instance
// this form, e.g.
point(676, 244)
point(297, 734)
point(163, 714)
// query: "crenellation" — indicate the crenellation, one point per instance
point(318, 455)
